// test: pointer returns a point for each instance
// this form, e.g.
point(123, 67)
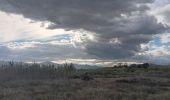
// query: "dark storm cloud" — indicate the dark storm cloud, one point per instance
point(50, 9)
point(126, 20)
point(108, 51)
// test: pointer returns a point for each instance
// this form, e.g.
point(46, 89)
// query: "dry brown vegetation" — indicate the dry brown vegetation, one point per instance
point(35, 82)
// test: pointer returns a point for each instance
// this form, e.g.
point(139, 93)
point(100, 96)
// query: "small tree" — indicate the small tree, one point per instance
point(146, 65)
point(11, 63)
point(86, 77)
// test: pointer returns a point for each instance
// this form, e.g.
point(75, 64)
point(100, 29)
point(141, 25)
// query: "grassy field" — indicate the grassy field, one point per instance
point(35, 82)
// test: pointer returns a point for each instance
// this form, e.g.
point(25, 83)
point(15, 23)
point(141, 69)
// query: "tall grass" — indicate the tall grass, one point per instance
point(20, 81)
point(19, 70)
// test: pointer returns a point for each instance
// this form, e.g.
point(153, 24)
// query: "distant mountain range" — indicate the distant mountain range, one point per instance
point(78, 66)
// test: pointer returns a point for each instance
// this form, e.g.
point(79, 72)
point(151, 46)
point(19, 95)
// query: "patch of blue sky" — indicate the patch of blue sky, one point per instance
point(157, 43)
point(58, 38)
point(48, 39)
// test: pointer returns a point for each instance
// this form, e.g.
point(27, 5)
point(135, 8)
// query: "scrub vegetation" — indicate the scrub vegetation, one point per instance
point(20, 81)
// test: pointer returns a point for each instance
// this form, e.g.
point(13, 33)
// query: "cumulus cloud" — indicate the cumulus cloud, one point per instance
point(15, 27)
point(165, 38)
point(156, 51)
point(161, 10)
point(157, 55)
point(127, 21)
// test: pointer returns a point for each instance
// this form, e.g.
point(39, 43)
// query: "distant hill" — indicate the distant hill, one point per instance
point(48, 63)
point(78, 66)
point(155, 65)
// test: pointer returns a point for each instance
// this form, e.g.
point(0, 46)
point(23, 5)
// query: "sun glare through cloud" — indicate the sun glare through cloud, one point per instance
point(90, 30)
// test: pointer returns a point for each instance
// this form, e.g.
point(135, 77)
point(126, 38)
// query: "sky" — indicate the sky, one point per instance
point(100, 32)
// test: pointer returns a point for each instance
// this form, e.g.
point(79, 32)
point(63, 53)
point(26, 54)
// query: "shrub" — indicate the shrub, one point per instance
point(86, 77)
point(145, 65)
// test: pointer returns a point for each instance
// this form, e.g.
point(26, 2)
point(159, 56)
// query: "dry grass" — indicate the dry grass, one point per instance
point(107, 84)
point(99, 89)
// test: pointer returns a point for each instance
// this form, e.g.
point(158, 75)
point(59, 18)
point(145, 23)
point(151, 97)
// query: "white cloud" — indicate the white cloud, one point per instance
point(98, 34)
point(16, 27)
point(165, 38)
point(21, 45)
point(156, 51)
point(161, 10)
